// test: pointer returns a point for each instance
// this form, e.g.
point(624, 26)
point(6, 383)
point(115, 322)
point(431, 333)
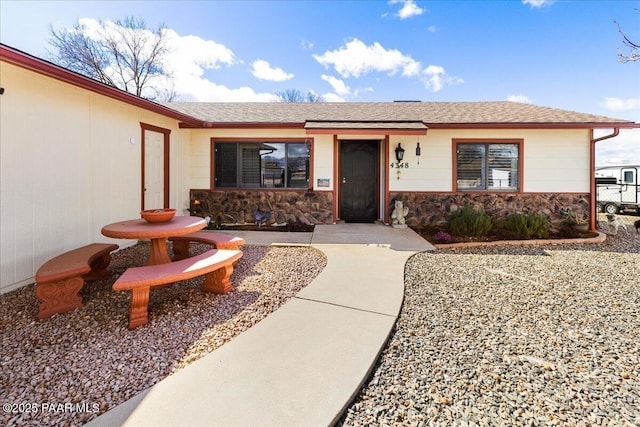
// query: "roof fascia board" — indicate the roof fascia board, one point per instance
point(241, 125)
point(23, 60)
point(598, 125)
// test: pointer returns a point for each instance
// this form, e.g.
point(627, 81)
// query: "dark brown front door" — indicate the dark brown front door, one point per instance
point(359, 181)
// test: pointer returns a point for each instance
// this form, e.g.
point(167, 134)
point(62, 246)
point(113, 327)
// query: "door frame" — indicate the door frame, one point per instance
point(166, 132)
point(380, 143)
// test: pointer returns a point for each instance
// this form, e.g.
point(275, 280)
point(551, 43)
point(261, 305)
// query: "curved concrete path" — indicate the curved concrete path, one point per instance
point(302, 364)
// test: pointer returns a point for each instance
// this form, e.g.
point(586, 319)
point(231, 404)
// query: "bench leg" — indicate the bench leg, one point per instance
point(219, 281)
point(180, 249)
point(139, 313)
point(99, 268)
point(59, 297)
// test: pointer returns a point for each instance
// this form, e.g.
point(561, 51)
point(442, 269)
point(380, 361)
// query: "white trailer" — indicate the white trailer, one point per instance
point(618, 188)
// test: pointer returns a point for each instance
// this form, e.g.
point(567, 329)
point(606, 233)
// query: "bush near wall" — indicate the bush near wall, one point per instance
point(523, 226)
point(428, 210)
point(470, 222)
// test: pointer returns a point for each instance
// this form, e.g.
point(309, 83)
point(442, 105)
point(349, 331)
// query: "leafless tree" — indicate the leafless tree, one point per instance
point(124, 54)
point(634, 53)
point(295, 95)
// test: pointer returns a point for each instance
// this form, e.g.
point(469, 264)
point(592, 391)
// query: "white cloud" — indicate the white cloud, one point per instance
point(623, 149)
point(432, 28)
point(411, 69)
point(332, 97)
point(537, 3)
point(190, 57)
point(409, 9)
point(338, 85)
point(355, 58)
point(203, 90)
point(618, 104)
point(264, 71)
point(197, 52)
point(435, 77)
point(357, 92)
point(92, 28)
point(519, 98)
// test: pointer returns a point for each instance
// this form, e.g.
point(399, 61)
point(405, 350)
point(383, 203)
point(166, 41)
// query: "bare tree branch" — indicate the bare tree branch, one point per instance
point(295, 95)
point(634, 53)
point(124, 54)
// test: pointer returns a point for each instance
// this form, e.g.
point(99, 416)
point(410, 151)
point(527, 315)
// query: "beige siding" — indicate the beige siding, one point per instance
point(557, 161)
point(323, 161)
point(200, 174)
point(434, 171)
point(68, 168)
point(554, 160)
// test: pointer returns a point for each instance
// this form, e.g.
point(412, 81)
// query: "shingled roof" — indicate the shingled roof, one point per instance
point(431, 114)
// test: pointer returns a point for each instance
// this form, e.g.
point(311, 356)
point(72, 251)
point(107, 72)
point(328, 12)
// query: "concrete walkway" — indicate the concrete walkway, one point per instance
point(302, 364)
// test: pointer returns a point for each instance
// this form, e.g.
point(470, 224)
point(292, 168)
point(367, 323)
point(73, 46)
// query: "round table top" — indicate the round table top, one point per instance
point(141, 229)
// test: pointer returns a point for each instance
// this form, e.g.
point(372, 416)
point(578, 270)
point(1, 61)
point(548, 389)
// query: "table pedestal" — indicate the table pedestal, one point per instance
point(159, 253)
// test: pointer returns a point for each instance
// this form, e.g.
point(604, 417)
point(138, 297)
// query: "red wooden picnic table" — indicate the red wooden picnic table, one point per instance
point(158, 233)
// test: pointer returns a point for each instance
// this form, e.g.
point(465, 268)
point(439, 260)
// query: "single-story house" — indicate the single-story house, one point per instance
point(76, 155)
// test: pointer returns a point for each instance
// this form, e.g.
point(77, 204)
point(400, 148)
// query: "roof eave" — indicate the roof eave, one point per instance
point(529, 125)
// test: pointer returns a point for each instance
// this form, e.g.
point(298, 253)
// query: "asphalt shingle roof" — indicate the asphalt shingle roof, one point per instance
point(431, 113)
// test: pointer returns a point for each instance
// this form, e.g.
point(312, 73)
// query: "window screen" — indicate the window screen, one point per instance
point(487, 166)
point(261, 165)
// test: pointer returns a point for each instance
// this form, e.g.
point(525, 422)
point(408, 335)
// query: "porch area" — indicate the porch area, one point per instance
point(377, 234)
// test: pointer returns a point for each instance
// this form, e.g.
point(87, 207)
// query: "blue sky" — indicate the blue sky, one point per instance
point(560, 54)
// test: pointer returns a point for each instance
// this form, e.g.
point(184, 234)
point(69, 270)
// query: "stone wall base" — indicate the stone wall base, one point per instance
point(435, 209)
point(425, 209)
point(237, 206)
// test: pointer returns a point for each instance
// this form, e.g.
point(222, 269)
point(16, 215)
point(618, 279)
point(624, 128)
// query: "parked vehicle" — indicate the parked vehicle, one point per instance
point(618, 188)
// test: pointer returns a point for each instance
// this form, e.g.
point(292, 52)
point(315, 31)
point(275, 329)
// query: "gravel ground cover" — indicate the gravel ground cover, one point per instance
point(68, 369)
point(513, 336)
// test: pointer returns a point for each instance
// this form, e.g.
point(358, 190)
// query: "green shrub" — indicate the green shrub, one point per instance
point(521, 226)
point(470, 223)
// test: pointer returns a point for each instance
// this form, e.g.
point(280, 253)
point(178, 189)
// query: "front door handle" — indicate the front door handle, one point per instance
point(344, 180)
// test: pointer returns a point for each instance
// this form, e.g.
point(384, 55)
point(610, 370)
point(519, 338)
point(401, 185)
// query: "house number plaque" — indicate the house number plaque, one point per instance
point(399, 165)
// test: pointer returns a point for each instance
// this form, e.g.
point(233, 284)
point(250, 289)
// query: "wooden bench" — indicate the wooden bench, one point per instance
point(216, 265)
point(218, 240)
point(60, 279)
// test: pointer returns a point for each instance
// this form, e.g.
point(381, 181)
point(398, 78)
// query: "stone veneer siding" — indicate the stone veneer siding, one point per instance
point(237, 206)
point(434, 209)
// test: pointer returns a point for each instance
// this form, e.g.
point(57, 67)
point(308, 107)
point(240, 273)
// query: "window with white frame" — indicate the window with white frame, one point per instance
point(261, 164)
point(488, 166)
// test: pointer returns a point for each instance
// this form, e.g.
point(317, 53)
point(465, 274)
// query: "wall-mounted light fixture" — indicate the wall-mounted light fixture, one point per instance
point(399, 153)
point(418, 151)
